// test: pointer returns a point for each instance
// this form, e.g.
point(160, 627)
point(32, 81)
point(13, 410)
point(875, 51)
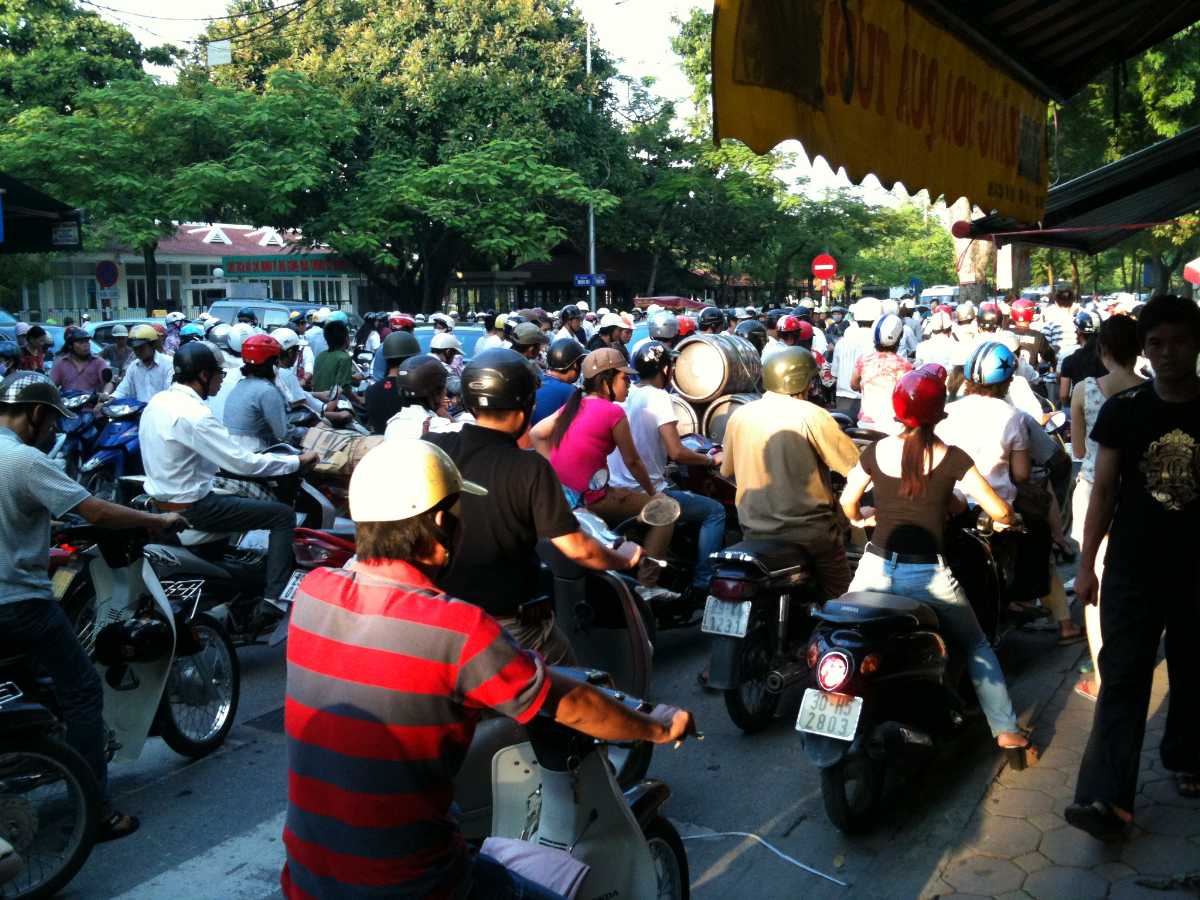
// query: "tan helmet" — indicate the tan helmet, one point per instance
point(789, 371)
point(377, 495)
point(142, 334)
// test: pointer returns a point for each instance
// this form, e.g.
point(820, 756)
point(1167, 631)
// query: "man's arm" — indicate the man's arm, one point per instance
point(832, 445)
point(585, 709)
point(1101, 506)
point(681, 454)
point(586, 551)
point(211, 440)
point(125, 389)
point(112, 515)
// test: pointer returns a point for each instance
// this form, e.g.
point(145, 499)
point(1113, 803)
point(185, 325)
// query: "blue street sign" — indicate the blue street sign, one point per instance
point(600, 280)
point(915, 285)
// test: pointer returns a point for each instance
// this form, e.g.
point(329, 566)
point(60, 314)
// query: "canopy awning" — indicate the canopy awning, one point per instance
point(1153, 185)
point(1191, 272)
point(948, 95)
point(34, 222)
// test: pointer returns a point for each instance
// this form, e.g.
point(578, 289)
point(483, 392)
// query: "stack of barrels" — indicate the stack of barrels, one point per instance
point(714, 375)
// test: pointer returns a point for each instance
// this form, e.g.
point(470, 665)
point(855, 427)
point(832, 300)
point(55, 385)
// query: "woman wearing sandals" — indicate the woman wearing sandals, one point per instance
point(1118, 348)
point(914, 475)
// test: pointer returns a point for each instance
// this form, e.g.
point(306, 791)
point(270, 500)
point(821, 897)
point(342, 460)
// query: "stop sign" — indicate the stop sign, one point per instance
point(824, 266)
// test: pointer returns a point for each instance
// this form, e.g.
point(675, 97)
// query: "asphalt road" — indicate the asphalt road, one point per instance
point(211, 829)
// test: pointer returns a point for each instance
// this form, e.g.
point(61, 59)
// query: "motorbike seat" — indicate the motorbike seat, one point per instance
point(861, 607)
point(775, 555)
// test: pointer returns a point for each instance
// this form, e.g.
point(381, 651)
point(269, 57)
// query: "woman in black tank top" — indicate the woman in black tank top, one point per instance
point(905, 553)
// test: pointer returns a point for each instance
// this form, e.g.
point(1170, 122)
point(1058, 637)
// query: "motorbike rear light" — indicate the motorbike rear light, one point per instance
point(731, 589)
point(833, 670)
point(814, 653)
point(870, 664)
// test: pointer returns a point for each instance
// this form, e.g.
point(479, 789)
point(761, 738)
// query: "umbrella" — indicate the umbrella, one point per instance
point(1191, 272)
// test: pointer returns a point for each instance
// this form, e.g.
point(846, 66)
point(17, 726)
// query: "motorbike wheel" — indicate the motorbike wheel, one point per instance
point(49, 812)
point(852, 790)
point(751, 706)
point(670, 859)
point(200, 699)
point(102, 484)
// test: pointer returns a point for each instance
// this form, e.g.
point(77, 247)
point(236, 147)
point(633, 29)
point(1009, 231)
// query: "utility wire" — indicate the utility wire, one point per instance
point(137, 15)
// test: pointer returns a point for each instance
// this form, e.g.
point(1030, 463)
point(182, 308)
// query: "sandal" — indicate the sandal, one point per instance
point(1066, 640)
point(1188, 784)
point(1098, 819)
point(1086, 688)
point(1020, 757)
point(115, 827)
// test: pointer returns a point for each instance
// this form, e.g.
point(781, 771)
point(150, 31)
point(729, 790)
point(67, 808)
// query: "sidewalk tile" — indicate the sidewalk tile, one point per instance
point(1014, 895)
point(1158, 854)
point(1161, 789)
point(1113, 871)
point(999, 836)
point(1178, 821)
point(1017, 802)
point(1064, 883)
point(1071, 847)
point(1039, 778)
point(1032, 862)
point(1129, 889)
point(1047, 821)
point(985, 876)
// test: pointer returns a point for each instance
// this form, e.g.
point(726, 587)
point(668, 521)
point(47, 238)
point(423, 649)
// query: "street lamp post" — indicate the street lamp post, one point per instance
point(591, 207)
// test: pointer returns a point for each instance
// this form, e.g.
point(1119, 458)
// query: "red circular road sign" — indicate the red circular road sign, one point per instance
point(106, 273)
point(824, 266)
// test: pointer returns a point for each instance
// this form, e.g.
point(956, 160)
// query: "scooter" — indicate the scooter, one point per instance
point(49, 796)
point(76, 436)
point(117, 452)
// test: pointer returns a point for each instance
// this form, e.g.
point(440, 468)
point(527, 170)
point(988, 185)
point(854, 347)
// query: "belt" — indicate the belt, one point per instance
point(171, 507)
point(908, 559)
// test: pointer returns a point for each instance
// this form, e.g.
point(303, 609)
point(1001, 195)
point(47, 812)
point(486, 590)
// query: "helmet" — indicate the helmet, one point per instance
point(498, 379)
point(740, 314)
point(989, 316)
point(288, 339)
point(191, 332)
point(564, 353)
point(889, 307)
point(990, 363)
point(487, 319)
point(377, 495)
point(939, 322)
point(194, 358)
point(711, 317)
point(35, 388)
point(1087, 322)
point(338, 316)
point(582, 305)
point(511, 321)
point(789, 370)
point(944, 307)
point(119, 331)
point(159, 329)
point(802, 312)
point(611, 320)
point(420, 317)
point(652, 358)
point(142, 334)
point(445, 341)
point(526, 334)
point(174, 318)
point(806, 303)
point(964, 312)
point(772, 316)
point(888, 331)
point(238, 334)
point(294, 316)
point(74, 333)
point(919, 397)
point(754, 331)
point(1022, 311)
point(664, 326)
point(867, 310)
point(603, 311)
point(687, 326)
point(218, 335)
point(422, 377)
point(790, 324)
point(443, 320)
point(626, 320)
point(260, 348)
point(400, 345)
point(246, 314)
point(401, 320)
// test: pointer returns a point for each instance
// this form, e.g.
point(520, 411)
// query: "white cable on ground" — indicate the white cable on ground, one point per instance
point(769, 846)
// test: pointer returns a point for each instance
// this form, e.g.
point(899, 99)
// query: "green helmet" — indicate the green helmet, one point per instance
point(789, 371)
point(400, 345)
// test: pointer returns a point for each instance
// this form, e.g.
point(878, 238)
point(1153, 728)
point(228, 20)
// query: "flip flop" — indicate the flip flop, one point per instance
point(1188, 784)
point(1068, 640)
point(115, 827)
point(1097, 819)
point(1086, 688)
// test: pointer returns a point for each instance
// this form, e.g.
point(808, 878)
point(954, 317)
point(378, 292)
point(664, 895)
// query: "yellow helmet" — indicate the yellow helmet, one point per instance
point(429, 477)
point(142, 334)
point(789, 371)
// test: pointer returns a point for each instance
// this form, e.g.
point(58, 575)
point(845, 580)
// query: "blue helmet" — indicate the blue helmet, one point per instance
point(338, 316)
point(990, 363)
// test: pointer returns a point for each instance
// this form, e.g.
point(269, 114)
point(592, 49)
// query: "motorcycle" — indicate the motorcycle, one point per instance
point(117, 451)
point(76, 436)
point(50, 800)
point(887, 688)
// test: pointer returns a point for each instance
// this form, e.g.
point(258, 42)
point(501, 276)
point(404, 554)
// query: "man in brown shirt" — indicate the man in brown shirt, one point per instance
point(780, 449)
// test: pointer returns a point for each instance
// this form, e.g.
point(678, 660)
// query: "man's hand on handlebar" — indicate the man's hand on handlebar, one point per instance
point(169, 523)
point(677, 723)
point(309, 459)
point(630, 552)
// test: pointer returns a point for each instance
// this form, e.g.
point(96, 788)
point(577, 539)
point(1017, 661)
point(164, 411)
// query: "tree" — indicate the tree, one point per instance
point(906, 243)
point(51, 51)
point(140, 156)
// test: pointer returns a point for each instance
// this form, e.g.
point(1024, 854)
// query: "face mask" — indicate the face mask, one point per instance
point(449, 535)
point(45, 427)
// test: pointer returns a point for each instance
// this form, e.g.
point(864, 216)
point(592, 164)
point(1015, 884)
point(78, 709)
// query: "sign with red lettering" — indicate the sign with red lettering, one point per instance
point(286, 264)
point(874, 86)
point(824, 266)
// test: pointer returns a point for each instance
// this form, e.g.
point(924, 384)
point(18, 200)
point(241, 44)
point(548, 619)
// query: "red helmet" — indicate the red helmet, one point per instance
point(402, 321)
point(687, 325)
point(161, 329)
point(920, 397)
point(942, 307)
point(790, 324)
point(260, 348)
point(1022, 311)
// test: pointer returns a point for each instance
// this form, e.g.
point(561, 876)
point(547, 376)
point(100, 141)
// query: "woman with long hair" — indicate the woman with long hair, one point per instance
point(914, 474)
point(578, 438)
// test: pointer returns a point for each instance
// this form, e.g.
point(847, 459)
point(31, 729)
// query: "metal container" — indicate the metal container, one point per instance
point(716, 417)
point(689, 417)
point(713, 365)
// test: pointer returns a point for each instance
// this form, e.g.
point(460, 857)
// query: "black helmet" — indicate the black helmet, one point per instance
point(422, 377)
point(248, 315)
point(772, 316)
point(803, 313)
point(651, 358)
point(400, 345)
point(564, 353)
point(1086, 322)
point(193, 358)
point(569, 312)
point(989, 317)
point(754, 331)
point(488, 319)
point(498, 379)
point(711, 317)
point(511, 321)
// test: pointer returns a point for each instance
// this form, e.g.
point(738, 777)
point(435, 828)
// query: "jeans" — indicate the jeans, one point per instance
point(711, 516)
point(936, 585)
point(221, 512)
point(41, 628)
point(491, 881)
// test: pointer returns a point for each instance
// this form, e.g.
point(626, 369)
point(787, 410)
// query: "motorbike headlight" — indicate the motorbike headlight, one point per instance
point(117, 410)
point(76, 402)
point(92, 464)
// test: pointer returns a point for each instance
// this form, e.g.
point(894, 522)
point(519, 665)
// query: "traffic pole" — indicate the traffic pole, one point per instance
point(591, 207)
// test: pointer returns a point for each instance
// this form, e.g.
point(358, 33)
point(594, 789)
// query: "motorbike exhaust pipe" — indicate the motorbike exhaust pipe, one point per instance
point(785, 676)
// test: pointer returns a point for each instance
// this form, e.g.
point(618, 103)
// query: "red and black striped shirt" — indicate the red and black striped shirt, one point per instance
point(386, 681)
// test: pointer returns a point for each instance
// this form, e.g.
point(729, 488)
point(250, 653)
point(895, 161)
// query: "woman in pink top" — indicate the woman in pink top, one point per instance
point(578, 438)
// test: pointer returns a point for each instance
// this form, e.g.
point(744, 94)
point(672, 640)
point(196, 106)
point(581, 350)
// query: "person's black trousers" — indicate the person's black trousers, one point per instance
point(1139, 598)
point(222, 512)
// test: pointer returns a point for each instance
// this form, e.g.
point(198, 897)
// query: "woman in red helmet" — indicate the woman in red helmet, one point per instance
point(914, 474)
point(255, 412)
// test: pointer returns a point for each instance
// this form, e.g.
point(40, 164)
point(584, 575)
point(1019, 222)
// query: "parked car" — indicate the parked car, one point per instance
point(468, 334)
point(271, 313)
point(7, 319)
point(101, 332)
point(56, 337)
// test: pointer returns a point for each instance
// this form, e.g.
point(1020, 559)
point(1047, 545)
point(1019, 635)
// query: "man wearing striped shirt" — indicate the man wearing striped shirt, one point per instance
point(387, 678)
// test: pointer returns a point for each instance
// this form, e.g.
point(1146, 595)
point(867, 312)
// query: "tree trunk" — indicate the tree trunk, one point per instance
point(653, 273)
point(151, 261)
point(1075, 274)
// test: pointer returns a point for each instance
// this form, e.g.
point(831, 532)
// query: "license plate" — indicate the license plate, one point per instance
point(831, 715)
point(294, 582)
point(725, 618)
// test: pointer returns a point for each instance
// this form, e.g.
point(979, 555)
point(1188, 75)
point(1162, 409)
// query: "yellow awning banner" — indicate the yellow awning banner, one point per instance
point(876, 87)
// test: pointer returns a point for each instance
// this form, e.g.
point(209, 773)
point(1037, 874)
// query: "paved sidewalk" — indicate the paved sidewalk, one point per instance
point(1016, 844)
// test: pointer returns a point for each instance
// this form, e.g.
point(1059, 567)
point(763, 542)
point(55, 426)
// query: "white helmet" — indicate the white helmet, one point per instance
point(652, 309)
point(807, 303)
point(889, 307)
point(174, 318)
point(888, 331)
point(322, 314)
point(583, 304)
point(445, 341)
point(377, 495)
point(287, 338)
point(611, 320)
point(238, 334)
point(419, 317)
point(602, 311)
point(664, 326)
point(939, 321)
point(868, 309)
point(442, 319)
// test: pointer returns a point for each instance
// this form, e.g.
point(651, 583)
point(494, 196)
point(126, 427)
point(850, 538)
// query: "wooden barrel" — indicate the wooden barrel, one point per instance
point(713, 365)
point(689, 419)
point(716, 417)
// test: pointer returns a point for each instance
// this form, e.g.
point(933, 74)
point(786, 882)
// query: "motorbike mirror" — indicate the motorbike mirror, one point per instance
point(1055, 421)
point(599, 480)
point(594, 527)
point(365, 359)
point(660, 511)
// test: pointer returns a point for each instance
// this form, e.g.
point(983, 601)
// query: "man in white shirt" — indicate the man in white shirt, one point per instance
point(184, 445)
point(653, 425)
point(572, 325)
point(939, 347)
point(856, 342)
point(151, 372)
